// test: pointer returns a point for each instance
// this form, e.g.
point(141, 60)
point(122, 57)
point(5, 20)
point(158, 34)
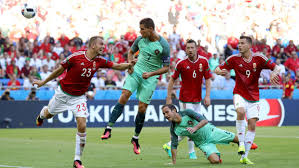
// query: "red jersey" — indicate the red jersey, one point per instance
point(288, 88)
point(192, 74)
point(247, 73)
point(80, 70)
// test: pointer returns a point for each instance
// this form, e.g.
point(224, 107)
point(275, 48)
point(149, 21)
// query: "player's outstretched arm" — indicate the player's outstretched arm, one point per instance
point(57, 72)
point(169, 90)
point(160, 71)
point(123, 66)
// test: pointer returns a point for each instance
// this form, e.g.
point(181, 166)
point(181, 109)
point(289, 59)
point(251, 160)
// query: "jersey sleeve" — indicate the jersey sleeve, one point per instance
point(177, 71)
point(267, 63)
point(104, 63)
point(67, 62)
point(198, 117)
point(207, 72)
point(174, 137)
point(135, 47)
point(166, 52)
point(227, 64)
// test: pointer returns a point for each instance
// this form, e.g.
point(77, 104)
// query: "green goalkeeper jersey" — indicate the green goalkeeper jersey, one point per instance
point(190, 119)
point(152, 55)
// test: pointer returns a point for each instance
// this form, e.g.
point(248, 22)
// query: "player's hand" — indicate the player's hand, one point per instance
point(274, 78)
point(168, 100)
point(39, 83)
point(146, 75)
point(207, 101)
point(130, 70)
point(223, 72)
point(191, 130)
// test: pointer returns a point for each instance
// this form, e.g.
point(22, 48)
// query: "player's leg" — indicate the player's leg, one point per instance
point(80, 141)
point(211, 152)
point(79, 108)
point(56, 105)
point(252, 115)
point(240, 106)
point(131, 84)
point(144, 95)
point(139, 121)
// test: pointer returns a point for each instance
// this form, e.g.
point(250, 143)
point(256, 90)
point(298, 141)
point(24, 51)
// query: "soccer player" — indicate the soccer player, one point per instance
point(248, 66)
point(70, 95)
point(195, 126)
point(192, 70)
point(153, 60)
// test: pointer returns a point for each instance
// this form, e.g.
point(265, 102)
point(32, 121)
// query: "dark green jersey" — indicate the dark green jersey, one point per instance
point(190, 119)
point(152, 55)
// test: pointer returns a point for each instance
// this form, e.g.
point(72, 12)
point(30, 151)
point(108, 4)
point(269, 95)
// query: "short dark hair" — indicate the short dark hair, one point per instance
point(93, 39)
point(191, 41)
point(170, 106)
point(148, 23)
point(247, 38)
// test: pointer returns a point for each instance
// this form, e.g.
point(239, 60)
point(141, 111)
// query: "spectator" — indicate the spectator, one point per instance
point(26, 69)
point(281, 66)
point(34, 73)
point(228, 83)
point(13, 69)
point(49, 62)
point(20, 60)
point(290, 49)
point(63, 40)
point(32, 95)
point(5, 60)
point(122, 45)
point(214, 62)
point(174, 38)
point(100, 78)
point(109, 82)
point(28, 82)
point(292, 63)
point(14, 83)
point(35, 62)
point(130, 36)
point(91, 92)
point(2, 72)
point(277, 48)
point(288, 87)
point(297, 79)
point(6, 95)
point(58, 48)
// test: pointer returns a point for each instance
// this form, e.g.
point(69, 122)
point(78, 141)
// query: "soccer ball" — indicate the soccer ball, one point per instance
point(28, 11)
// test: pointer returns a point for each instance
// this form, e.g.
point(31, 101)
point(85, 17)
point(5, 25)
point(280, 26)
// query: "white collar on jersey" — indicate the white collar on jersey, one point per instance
point(247, 61)
point(87, 57)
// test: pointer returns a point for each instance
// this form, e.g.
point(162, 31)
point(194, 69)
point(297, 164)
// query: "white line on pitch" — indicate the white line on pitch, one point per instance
point(13, 166)
point(272, 136)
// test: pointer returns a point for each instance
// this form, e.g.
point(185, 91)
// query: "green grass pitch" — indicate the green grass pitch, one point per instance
point(54, 148)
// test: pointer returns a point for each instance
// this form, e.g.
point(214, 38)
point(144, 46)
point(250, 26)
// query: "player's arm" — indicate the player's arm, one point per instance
point(134, 48)
point(170, 90)
point(123, 66)
point(225, 66)
point(202, 121)
point(160, 71)
point(207, 76)
point(57, 72)
point(174, 143)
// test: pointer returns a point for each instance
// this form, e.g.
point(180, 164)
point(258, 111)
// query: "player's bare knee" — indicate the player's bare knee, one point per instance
point(124, 97)
point(142, 107)
point(241, 111)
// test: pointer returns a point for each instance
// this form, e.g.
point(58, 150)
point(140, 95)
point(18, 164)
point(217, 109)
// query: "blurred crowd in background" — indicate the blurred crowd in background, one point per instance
point(32, 48)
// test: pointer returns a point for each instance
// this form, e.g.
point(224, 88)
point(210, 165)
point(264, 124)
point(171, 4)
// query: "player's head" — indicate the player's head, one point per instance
point(147, 27)
point(245, 44)
point(96, 43)
point(191, 48)
point(169, 111)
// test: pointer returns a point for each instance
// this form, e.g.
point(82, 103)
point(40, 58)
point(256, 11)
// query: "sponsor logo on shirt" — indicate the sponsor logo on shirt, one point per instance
point(200, 67)
point(240, 65)
point(190, 122)
point(82, 63)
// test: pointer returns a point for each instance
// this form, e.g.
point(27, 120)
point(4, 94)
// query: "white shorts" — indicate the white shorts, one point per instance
point(193, 106)
point(252, 109)
point(61, 102)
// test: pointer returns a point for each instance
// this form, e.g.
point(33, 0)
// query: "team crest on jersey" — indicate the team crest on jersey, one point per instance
point(157, 52)
point(94, 65)
point(254, 67)
point(200, 67)
point(190, 122)
point(82, 63)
